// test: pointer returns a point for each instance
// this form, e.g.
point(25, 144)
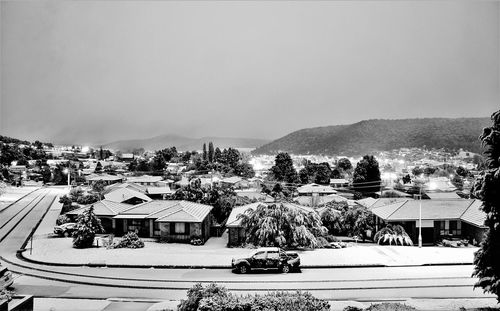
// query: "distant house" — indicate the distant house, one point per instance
point(159, 193)
point(339, 183)
point(170, 220)
point(316, 201)
point(235, 182)
point(236, 232)
point(392, 193)
point(127, 185)
point(107, 179)
point(315, 189)
point(146, 180)
point(255, 195)
point(441, 195)
point(126, 195)
point(105, 210)
point(127, 157)
point(440, 219)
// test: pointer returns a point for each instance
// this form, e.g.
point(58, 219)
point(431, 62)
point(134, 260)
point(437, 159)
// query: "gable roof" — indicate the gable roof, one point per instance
point(315, 188)
point(168, 211)
point(259, 196)
point(232, 180)
point(103, 208)
point(466, 210)
point(128, 185)
point(159, 190)
point(233, 221)
point(105, 177)
point(144, 179)
point(442, 195)
point(125, 194)
point(474, 215)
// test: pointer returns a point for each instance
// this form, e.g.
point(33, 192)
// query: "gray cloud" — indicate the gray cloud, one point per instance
point(100, 71)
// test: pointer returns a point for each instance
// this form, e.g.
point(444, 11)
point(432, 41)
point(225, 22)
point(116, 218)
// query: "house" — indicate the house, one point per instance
point(315, 189)
point(126, 195)
point(107, 179)
point(235, 182)
point(315, 201)
point(440, 219)
point(127, 157)
point(339, 183)
point(132, 186)
point(146, 180)
point(392, 193)
point(236, 232)
point(169, 220)
point(441, 195)
point(105, 210)
point(255, 195)
point(159, 193)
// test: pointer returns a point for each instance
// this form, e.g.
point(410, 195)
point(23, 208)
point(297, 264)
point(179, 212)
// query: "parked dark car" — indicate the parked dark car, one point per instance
point(65, 230)
point(6, 279)
point(268, 258)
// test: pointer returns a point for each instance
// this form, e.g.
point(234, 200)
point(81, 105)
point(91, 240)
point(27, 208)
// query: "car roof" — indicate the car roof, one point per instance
point(274, 249)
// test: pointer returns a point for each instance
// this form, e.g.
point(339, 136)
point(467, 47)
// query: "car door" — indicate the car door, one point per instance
point(259, 260)
point(272, 260)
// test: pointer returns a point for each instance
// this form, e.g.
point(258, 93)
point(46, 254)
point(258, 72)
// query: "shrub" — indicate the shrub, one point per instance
point(5, 295)
point(331, 238)
point(129, 240)
point(62, 219)
point(323, 243)
point(217, 298)
point(350, 308)
point(196, 240)
point(390, 306)
point(392, 233)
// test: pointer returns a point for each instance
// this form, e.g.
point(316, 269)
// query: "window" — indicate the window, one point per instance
point(260, 255)
point(180, 228)
point(273, 255)
point(450, 227)
point(156, 228)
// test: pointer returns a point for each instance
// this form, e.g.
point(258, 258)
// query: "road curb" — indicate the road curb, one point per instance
point(20, 255)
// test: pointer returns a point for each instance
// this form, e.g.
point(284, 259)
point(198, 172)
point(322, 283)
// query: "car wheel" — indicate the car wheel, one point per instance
point(66, 234)
point(285, 269)
point(243, 269)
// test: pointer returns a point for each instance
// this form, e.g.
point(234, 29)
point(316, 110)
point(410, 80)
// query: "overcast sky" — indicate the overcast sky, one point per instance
point(97, 71)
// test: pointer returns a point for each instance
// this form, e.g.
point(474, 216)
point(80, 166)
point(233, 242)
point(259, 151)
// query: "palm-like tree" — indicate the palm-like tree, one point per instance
point(281, 225)
point(393, 234)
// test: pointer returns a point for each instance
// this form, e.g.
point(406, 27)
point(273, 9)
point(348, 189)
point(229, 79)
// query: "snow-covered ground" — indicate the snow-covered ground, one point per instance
point(215, 253)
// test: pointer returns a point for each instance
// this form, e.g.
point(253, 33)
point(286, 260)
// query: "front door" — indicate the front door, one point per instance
point(259, 260)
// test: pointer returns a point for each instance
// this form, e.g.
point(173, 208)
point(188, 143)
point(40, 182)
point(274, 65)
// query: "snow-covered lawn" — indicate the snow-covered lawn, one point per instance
point(215, 253)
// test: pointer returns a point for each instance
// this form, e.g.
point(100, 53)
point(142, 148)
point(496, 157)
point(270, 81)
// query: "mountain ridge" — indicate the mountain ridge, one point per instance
point(374, 135)
point(183, 143)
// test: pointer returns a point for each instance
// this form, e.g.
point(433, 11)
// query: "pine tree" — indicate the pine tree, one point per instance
point(217, 155)
point(205, 152)
point(210, 152)
point(486, 188)
point(366, 176)
point(86, 228)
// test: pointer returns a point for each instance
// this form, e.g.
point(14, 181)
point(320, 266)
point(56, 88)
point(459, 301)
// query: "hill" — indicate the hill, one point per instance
point(381, 135)
point(184, 143)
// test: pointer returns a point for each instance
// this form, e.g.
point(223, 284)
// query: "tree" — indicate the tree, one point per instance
point(283, 169)
point(210, 152)
point(406, 179)
point(98, 168)
point(366, 176)
point(314, 172)
point(244, 170)
point(281, 225)
point(86, 228)
point(392, 234)
point(98, 187)
point(205, 155)
point(417, 171)
point(217, 155)
point(487, 258)
point(344, 164)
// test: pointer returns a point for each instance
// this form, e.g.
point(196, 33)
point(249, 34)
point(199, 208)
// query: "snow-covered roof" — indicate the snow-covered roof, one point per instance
point(103, 208)
point(125, 194)
point(315, 188)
